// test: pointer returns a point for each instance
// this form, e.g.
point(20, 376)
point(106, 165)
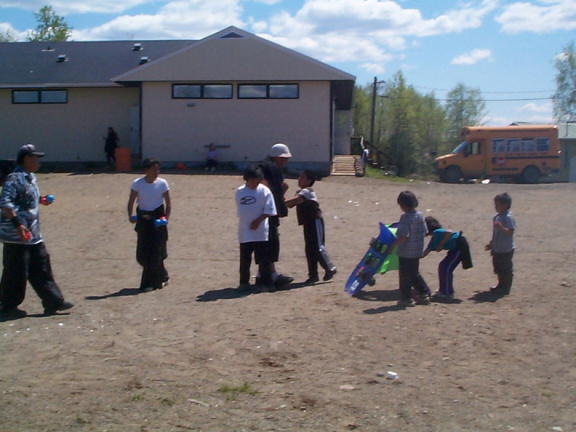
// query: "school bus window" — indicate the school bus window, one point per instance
point(542, 144)
point(513, 145)
point(474, 148)
point(498, 146)
point(528, 145)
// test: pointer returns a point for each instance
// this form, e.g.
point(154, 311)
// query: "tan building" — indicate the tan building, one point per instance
point(171, 99)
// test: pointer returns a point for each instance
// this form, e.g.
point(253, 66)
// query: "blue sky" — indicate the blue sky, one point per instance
point(505, 49)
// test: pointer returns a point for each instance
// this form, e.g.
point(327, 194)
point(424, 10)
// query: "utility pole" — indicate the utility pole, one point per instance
point(374, 91)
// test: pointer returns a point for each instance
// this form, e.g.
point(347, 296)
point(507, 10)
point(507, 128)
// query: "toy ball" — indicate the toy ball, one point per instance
point(133, 218)
point(28, 235)
point(49, 199)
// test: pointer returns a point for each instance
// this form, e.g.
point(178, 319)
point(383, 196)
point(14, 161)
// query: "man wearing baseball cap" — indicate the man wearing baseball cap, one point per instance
point(272, 167)
point(25, 257)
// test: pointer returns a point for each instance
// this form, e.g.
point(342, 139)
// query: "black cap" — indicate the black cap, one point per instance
point(29, 149)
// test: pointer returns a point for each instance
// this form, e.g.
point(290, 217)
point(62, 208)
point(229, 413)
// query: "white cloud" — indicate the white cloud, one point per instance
point(544, 108)
point(549, 16)
point(268, 2)
point(63, 7)
point(186, 19)
point(375, 68)
point(367, 31)
point(472, 57)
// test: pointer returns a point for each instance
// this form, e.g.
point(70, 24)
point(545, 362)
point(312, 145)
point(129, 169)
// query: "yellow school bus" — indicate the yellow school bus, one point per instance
point(525, 153)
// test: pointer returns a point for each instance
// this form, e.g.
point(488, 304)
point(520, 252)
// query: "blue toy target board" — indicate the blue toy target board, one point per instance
point(372, 261)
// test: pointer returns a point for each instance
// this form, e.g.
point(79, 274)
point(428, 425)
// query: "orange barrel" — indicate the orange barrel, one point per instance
point(123, 159)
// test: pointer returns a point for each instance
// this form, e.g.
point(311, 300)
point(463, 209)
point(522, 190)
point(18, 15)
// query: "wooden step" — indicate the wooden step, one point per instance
point(344, 165)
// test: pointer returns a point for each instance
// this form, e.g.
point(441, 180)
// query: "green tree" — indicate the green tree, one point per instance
point(565, 96)
point(400, 137)
point(51, 27)
point(464, 107)
point(7, 36)
point(431, 131)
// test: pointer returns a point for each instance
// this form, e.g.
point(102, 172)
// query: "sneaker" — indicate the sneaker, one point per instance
point(146, 289)
point(12, 314)
point(312, 280)
point(442, 297)
point(329, 274)
point(283, 281)
point(266, 288)
point(423, 299)
point(64, 306)
point(406, 303)
point(243, 288)
point(165, 283)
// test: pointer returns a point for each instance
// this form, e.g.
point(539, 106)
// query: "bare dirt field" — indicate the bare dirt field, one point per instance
point(197, 357)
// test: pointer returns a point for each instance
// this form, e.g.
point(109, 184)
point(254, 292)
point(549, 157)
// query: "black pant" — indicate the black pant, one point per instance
point(151, 248)
point(409, 276)
point(28, 263)
point(314, 247)
point(504, 269)
point(261, 256)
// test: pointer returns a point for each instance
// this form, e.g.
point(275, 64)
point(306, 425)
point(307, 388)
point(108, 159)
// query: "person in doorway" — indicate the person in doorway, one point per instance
point(110, 146)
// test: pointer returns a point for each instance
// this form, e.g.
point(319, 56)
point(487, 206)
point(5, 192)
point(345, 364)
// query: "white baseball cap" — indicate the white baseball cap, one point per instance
point(280, 150)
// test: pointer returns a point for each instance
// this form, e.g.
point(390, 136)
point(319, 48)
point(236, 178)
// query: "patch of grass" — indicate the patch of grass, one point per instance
point(232, 392)
point(381, 174)
point(137, 398)
point(167, 402)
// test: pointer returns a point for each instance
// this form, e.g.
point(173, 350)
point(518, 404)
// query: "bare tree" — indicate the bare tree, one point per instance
point(565, 96)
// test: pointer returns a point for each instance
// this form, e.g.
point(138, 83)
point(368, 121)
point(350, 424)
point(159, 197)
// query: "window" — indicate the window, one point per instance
point(40, 96)
point(528, 145)
point(202, 91)
point(513, 145)
point(474, 148)
point(498, 146)
point(268, 91)
point(542, 144)
point(217, 91)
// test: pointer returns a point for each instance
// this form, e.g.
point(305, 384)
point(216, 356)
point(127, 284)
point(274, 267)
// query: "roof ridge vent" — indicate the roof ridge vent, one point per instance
point(232, 35)
point(62, 58)
point(144, 60)
point(137, 47)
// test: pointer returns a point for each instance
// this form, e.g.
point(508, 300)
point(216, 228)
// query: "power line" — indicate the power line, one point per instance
point(494, 92)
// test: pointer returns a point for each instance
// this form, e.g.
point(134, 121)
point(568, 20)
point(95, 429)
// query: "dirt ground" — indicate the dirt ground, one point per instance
point(197, 357)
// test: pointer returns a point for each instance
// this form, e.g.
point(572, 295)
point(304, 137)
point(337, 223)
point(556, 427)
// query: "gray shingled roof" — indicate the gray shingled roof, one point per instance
point(35, 64)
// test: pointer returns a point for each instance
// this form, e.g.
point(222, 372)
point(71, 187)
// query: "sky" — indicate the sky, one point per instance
point(504, 49)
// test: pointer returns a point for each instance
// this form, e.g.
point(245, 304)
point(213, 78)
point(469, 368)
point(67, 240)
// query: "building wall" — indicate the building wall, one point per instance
point(178, 130)
point(70, 132)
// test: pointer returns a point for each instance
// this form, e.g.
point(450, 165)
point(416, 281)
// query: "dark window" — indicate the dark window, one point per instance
point(498, 146)
point(217, 91)
point(53, 96)
point(542, 144)
point(268, 91)
point(202, 91)
point(513, 145)
point(283, 91)
point(528, 145)
point(40, 96)
point(252, 91)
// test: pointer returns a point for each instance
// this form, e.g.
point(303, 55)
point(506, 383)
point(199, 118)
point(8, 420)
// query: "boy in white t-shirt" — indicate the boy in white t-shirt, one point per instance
point(254, 203)
point(151, 192)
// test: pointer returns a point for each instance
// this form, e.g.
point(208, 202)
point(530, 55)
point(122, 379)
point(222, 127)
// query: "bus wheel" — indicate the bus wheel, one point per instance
point(452, 174)
point(531, 175)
